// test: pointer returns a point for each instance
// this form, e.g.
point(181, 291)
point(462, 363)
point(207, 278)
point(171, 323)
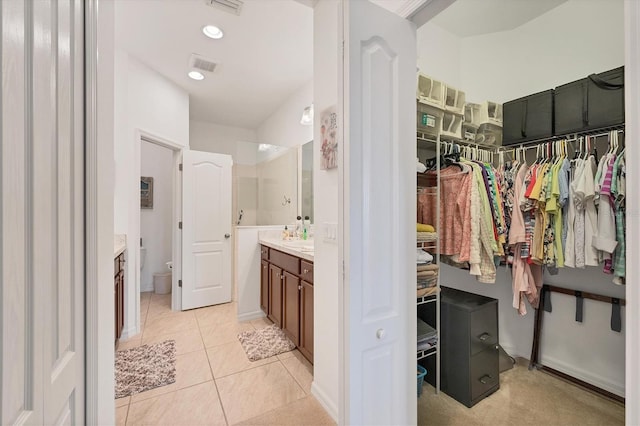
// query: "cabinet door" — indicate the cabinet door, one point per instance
point(306, 321)
point(291, 307)
point(275, 295)
point(264, 287)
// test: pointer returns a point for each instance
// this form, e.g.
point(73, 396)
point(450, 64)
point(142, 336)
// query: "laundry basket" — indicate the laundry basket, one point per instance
point(421, 373)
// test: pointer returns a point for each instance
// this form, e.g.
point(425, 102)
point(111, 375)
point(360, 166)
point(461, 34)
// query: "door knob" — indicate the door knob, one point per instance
point(380, 333)
point(227, 235)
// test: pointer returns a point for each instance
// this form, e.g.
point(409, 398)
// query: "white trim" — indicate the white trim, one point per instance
point(99, 313)
point(632, 133)
point(251, 316)
point(343, 226)
point(325, 401)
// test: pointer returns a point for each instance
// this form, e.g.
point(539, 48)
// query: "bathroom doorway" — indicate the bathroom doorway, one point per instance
point(158, 206)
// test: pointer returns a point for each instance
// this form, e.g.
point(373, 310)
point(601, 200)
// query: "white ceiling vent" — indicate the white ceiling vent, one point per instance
point(203, 64)
point(231, 6)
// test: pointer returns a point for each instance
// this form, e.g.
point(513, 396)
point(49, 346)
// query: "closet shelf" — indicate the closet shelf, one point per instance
point(426, 352)
point(427, 299)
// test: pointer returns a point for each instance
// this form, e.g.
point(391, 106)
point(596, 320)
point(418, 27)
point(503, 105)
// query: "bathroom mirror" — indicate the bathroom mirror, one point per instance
point(306, 180)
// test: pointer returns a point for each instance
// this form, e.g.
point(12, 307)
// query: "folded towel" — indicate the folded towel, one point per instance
point(423, 256)
point(423, 227)
point(426, 274)
point(431, 267)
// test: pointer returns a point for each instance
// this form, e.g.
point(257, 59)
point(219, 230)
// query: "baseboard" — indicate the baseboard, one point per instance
point(251, 316)
point(585, 376)
point(324, 400)
point(129, 333)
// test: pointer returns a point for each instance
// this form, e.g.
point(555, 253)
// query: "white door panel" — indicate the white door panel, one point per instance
point(206, 229)
point(379, 212)
point(42, 212)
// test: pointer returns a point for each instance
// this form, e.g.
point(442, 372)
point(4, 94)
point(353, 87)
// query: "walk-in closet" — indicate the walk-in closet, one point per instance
point(521, 183)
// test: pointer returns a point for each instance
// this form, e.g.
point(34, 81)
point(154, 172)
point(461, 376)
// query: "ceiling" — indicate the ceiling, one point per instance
point(265, 55)
point(466, 18)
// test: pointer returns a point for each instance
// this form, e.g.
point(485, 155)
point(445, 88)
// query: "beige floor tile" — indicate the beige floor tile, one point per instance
point(195, 405)
point(256, 391)
point(121, 415)
point(191, 369)
point(223, 333)
point(261, 323)
point(159, 305)
point(300, 369)
point(121, 402)
point(123, 345)
point(230, 358)
point(286, 355)
point(146, 295)
point(218, 314)
point(305, 411)
point(169, 324)
point(186, 341)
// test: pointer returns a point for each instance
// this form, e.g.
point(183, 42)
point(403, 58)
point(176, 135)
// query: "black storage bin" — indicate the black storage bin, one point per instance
point(590, 103)
point(529, 118)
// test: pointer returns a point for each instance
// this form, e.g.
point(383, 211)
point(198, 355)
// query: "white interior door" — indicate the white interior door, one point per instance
point(378, 208)
point(42, 212)
point(206, 229)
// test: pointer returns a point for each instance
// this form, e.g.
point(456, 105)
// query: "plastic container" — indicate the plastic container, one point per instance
point(422, 372)
point(162, 282)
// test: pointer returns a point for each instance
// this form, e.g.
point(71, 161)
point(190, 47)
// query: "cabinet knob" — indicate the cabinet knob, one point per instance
point(299, 287)
point(305, 271)
point(264, 267)
point(380, 333)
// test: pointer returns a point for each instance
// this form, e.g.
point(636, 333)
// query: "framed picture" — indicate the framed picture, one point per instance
point(329, 135)
point(146, 192)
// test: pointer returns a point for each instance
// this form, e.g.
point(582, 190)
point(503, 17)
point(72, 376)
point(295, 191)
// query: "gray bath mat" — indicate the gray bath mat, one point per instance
point(145, 367)
point(264, 343)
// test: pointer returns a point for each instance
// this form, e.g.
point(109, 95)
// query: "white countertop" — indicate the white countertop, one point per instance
point(119, 244)
point(298, 248)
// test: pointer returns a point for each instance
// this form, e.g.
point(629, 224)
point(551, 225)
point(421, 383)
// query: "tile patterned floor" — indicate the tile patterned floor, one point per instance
point(216, 384)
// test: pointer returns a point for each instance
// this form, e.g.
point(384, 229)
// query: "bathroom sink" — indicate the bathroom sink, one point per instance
point(302, 245)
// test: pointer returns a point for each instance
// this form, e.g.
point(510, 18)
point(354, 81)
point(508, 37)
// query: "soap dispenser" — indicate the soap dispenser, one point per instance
point(298, 230)
point(285, 233)
point(305, 232)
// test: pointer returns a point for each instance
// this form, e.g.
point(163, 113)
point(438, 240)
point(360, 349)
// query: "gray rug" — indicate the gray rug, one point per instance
point(265, 343)
point(145, 367)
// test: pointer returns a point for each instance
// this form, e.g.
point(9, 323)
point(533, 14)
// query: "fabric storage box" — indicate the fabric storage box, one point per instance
point(529, 118)
point(429, 120)
point(589, 103)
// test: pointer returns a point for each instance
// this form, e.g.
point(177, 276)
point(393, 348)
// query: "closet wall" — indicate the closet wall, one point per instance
point(568, 42)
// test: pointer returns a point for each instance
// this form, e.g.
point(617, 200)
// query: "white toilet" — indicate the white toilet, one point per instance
point(162, 280)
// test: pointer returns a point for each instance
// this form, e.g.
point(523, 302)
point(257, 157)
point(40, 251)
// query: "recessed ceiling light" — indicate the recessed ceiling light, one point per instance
point(196, 75)
point(212, 31)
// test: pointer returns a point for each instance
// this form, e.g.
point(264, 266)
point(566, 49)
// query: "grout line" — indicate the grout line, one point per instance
point(224, 412)
point(248, 369)
point(294, 377)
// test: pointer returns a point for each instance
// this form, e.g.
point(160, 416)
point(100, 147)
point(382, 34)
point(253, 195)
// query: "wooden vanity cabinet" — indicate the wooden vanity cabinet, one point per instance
point(286, 296)
point(275, 295)
point(119, 294)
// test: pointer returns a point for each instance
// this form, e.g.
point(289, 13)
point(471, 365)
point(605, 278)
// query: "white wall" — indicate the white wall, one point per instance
point(435, 43)
point(144, 100)
point(539, 55)
point(238, 142)
point(155, 223)
point(326, 383)
point(577, 38)
point(283, 126)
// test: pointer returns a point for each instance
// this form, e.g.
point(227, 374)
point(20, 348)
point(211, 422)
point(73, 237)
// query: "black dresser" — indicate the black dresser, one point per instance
point(468, 345)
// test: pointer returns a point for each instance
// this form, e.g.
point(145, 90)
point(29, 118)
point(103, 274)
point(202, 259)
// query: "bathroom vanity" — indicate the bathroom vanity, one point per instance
point(120, 244)
point(286, 289)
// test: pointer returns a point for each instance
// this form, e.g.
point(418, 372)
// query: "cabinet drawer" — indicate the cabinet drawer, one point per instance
point(306, 271)
point(485, 374)
point(484, 328)
point(285, 261)
point(264, 252)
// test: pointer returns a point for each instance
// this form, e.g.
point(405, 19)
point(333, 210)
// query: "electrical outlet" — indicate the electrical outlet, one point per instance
point(330, 232)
